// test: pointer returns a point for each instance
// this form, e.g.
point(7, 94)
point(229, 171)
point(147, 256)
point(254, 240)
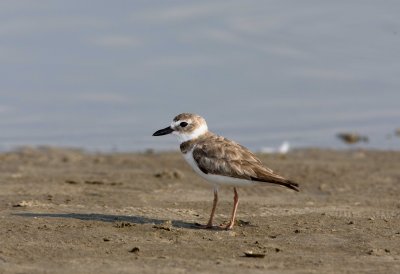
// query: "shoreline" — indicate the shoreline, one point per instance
point(86, 150)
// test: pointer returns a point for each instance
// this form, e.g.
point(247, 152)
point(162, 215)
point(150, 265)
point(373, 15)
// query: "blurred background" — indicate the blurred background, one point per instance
point(104, 75)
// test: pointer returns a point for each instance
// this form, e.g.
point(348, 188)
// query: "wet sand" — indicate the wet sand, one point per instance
point(67, 211)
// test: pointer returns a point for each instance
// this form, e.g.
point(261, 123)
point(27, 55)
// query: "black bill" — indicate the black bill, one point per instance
point(163, 131)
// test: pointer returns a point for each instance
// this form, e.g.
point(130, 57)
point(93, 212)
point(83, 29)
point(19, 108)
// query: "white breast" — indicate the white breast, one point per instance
point(211, 178)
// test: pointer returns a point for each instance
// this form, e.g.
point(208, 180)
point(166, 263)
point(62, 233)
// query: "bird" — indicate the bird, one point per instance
point(352, 138)
point(220, 161)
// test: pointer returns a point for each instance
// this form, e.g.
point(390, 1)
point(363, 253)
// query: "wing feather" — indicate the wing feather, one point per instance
point(220, 156)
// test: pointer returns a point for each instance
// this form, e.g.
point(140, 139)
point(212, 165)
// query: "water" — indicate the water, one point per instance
point(104, 76)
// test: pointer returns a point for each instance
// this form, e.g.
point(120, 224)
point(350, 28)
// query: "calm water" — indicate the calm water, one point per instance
point(105, 76)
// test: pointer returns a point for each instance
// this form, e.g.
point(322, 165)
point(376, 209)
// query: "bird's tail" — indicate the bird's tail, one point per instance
point(278, 180)
point(287, 183)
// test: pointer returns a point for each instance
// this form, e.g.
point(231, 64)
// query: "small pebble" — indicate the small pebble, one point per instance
point(134, 250)
point(250, 254)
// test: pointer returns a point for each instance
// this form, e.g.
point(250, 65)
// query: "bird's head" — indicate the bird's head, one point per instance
point(186, 126)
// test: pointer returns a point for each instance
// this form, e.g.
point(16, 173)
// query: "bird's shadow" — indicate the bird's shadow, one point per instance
point(113, 218)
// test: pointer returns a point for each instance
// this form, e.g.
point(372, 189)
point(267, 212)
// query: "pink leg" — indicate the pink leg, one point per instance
point(235, 205)
point(210, 221)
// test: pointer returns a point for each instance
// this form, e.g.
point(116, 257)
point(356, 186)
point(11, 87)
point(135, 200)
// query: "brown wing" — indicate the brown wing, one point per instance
point(221, 156)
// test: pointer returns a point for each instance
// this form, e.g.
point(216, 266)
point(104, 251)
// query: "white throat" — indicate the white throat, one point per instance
point(183, 137)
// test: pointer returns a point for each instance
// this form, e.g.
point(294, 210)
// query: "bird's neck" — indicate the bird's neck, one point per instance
point(188, 145)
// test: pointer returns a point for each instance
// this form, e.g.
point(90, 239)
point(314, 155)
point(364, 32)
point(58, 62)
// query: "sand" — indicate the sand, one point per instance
point(68, 211)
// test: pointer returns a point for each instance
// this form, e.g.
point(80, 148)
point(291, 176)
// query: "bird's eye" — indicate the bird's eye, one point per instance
point(183, 124)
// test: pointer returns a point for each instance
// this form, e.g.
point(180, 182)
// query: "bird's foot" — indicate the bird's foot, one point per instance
point(228, 226)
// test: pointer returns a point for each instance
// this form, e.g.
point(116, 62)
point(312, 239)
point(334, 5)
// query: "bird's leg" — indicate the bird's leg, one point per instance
point(210, 221)
point(235, 205)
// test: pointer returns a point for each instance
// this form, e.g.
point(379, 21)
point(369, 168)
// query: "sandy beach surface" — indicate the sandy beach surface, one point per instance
point(68, 211)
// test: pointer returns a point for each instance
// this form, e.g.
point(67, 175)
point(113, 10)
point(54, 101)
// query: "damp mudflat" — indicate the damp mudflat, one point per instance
point(68, 211)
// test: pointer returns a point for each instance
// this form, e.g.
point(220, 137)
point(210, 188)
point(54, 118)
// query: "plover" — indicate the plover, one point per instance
point(219, 160)
point(352, 138)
